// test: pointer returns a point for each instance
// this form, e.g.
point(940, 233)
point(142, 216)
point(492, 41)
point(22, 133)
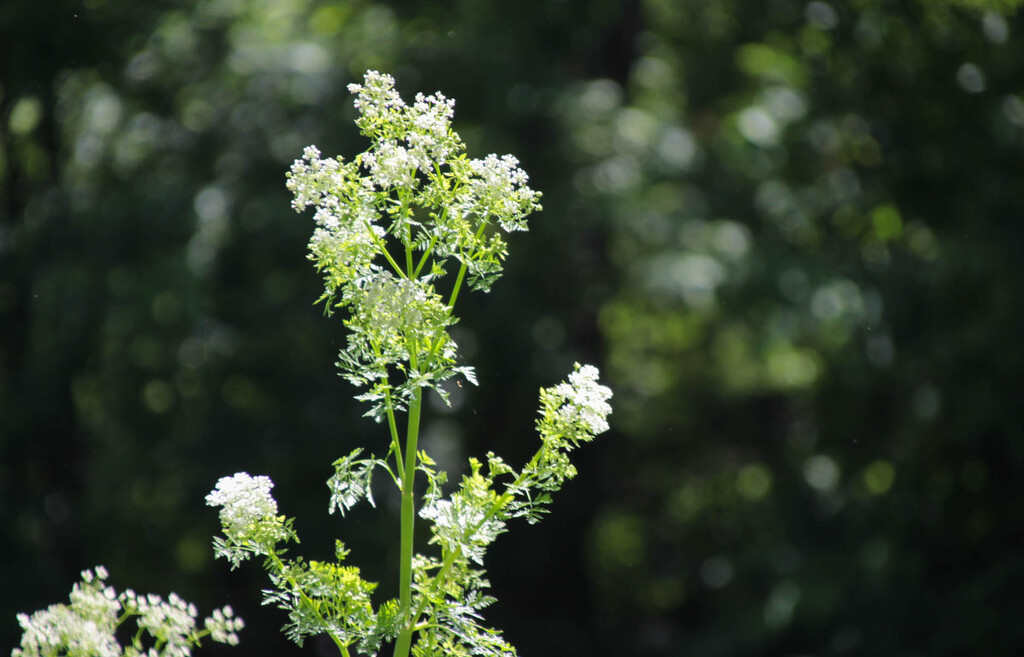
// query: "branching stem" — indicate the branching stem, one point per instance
point(462, 269)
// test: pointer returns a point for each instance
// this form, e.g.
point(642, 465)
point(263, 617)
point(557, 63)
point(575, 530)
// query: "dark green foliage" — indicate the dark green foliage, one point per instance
point(791, 229)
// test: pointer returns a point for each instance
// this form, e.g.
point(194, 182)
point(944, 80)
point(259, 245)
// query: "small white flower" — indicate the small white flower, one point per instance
point(61, 630)
point(223, 626)
point(246, 501)
point(91, 600)
point(499, 188)
point(393, 165)
point(376, 96)
point(586, 401)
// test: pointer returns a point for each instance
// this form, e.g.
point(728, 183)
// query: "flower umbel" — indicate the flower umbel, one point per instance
point(395, 218)
point(586, 401)
point(248, 516)
point(246, 501)
point(86, 627)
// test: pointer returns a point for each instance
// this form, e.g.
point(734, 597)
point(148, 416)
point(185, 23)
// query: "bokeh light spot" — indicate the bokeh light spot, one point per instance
point(822, 473)
point(754, 482)
point(879, 477)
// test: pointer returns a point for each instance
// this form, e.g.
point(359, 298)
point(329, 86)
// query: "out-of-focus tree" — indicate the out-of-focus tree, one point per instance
point(792, 225)
point(813, 212)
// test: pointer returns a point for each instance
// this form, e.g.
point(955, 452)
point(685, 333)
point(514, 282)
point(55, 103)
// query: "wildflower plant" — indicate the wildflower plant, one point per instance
point(400, 231)
point(87, 626)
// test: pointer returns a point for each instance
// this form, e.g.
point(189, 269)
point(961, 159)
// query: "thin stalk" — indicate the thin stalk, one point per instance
point(458, 284)
point(449, 559)
point(396, 445)
point(279, 566)
point(383, 249)
point(408, 251)
point(462, 269)
point(407, 238)
point(426, 254)
point(430, 247)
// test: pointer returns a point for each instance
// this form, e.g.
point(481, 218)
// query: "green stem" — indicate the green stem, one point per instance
point(341, 646)
point(408, 251)
point(404, 641)
point(383, 249)
point(458, 284)
point(396, 445)
point(430, 247)
point(462, 269)
point(407, 237)
point(426, 254)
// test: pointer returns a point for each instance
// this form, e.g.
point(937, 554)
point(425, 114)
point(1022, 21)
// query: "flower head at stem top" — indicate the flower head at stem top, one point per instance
point(246, 501)
point(248, 516)
point(392, 221)
point(585, 401)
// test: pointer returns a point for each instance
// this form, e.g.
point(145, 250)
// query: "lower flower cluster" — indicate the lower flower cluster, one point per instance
point(86, 627)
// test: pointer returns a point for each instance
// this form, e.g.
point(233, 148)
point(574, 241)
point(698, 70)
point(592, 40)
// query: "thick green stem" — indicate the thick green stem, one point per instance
point(341, 646)
point(408, 520)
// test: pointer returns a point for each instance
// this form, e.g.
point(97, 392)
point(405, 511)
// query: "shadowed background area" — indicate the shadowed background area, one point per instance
point(788, 232)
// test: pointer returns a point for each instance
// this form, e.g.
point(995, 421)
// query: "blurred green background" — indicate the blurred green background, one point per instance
point(789, 232)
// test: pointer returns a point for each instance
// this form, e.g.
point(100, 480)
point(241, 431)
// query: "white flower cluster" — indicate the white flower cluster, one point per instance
point(585, 400)
point(316, 181)
point(223, 626)
point(341, 236)
point(246, 502)
point(409, 139)
point(500, 189)
point(58, 630)
point(376, 97)
point(92, 598)
point(395, 166)
point(398, 304)
point(87, 626)
point(432, 120)
point(174, 622)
